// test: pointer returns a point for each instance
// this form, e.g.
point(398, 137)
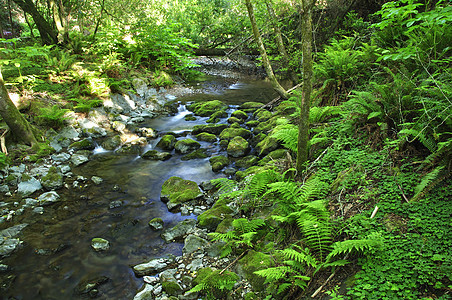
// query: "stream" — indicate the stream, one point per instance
point(57, 255)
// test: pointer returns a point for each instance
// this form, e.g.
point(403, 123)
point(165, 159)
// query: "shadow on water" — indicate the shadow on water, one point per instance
point(57, 254)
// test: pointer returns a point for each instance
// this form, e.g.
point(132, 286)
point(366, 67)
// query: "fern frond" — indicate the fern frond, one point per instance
point(244, 225)
point(226, 237)
point(317, 233)
point(360, 246)
point(259, 182)
point(443, 152)
point(275, 273)
point(430, 180)
point(302, 256)
point(318, 114)
point(224, 185)
point(288, 135)
point(283, 287)
point(199, 288)
point(227, 249)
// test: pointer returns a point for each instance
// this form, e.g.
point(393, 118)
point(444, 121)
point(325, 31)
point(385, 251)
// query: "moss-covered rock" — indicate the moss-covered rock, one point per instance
point(206, 137)
point(225, 225)
point(238, 147)
point(206, 109)
point(252, 170)
point(267, 145)
point(177, 190)
point(215, 117)
point(171, 287)
point(230, 133)
point(197, 154)
point(240, 114)
point(167, 142)
point(212, 278)
point(190, 117)
point(252, 123)
point(156, 155)
point(112, 143)
point(211, 218)
point(218, 162)
point(263, 127)
point(247, 161)
point(156, 224)
point(251, 106)
point(262, 115)
point(85, 144)
point(233, 120)
point(186, 146)
point(210, 128)
point(276, 154)
point(254, 261)
point(53, 180)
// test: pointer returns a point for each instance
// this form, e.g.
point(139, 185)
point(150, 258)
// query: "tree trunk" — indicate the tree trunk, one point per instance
point(303, 126)
point(48, 35)
point(268, 68)
point(19, 126)
point(58, 17)
point(279, 41)
point(102, 6)
point(29, 26)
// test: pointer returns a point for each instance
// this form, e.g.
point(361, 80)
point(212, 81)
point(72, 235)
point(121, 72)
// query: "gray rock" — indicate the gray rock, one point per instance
point(214, 249)
point(193, 243)
point(195, 265)
point(4, 188)
point(115, 204)
point(100, 244)
point(38, 171)
point(150, 268)
point(8, 240)
point(147, 132)
point(26, 188)
point(145, 293)
point(156, 224)
point(79, 159)
point(158, 290)
point(64, 169)
point(119, 103)
point(48, 198)
point(17, 169)
point(61, 157)
point(96, 180)
point(68, 132)
point(91, 129)
point(4, 268)
point(186, 146)
point(38, 210)
point(178, 231)
point(55, 145)
point(150, 279)
point(119, 126)
point(156, 155)
point(112, 143)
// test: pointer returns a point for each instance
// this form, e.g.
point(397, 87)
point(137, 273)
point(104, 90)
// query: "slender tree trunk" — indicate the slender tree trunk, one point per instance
point(48, 35)
point(1, 31)
point(303, 126)
point(102, 5)
point(19, 126)
point(11, 18)
point(279, 41)
point(58, 16)
point(268, 68)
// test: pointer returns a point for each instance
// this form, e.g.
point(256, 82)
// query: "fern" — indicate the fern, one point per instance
point(259, 182)
point(359, 246)
point(288, 135)
point(214, 282)
point(318, 114)
point(224, 185)
point(53, 116)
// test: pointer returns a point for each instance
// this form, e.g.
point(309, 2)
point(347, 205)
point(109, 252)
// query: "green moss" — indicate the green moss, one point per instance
point(206, 137)
point(206, 109)
point(167, 142)
point(41, 150)
point(254, 261)
point(247, 161)
point(267, 145)
point(211, 218)
point(225, 225)
point(178, 190)
point(252, 123)
point(214, 278)
point(52, 179)
point(263, 115)
point(251, 106)
point(85, 144)
point(276, 154)
point(239, 114)
point(197, 154)
point(218, 162)
point(238, 147)
point(171, 287)
point(190, 117)
point(187, 145)
point(230, 133)
point(232, 120)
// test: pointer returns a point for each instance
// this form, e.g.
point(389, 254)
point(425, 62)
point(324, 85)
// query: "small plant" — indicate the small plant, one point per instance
point(214, 283)
point(85, 105)
point(4, 160)
point(53, 116)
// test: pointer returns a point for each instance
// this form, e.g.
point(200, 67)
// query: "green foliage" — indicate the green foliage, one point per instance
point(60, 61)
point(244, 234)
point(214, 283)
point(4, 160)
point(52, 116)
point(85, 105)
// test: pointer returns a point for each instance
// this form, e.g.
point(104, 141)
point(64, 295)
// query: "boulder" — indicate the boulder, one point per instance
point(239, 114)
point(79, 158)
point(247, 161)
point(178, 231)
point(167, 142)
point(233, 120)
point(251, 106)
point(8, 240)
point(112, 143)
point(151, 268)
point(238, 147)
point(186, 146)
point(206, 109)
point(210, 128)
point(193, 243)
point(211, 218)
point(147, 132)
point(197, 154)
point(206, 137)
point(53, 180)
point(85, 144)
point(177, 190)
point(218, 162)
point(28, 187)
point(254, 261)
point(146, 293)
point(267, 145)
point(48, 198)
point(262, 115)
point(156, 155)
point(230, 133)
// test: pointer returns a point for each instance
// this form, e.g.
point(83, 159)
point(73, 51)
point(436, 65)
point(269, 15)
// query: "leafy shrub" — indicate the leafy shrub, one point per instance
point(52, 116)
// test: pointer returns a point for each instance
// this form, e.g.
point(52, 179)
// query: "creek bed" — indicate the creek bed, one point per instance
point(57, 255)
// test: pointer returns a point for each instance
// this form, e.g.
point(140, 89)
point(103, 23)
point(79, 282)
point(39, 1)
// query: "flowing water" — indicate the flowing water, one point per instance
point(57, 254)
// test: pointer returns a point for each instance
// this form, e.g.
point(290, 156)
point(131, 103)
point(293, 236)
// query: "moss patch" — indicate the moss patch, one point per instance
point(206, 137)
point(205, 109)
point(167, 142)
point(177, 190)
point(254, 261)
point(230, 133)
point(211, 218)
point(218, 162)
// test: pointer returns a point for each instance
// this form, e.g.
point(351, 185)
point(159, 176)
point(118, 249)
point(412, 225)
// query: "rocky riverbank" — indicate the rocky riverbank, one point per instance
point(240, 132)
